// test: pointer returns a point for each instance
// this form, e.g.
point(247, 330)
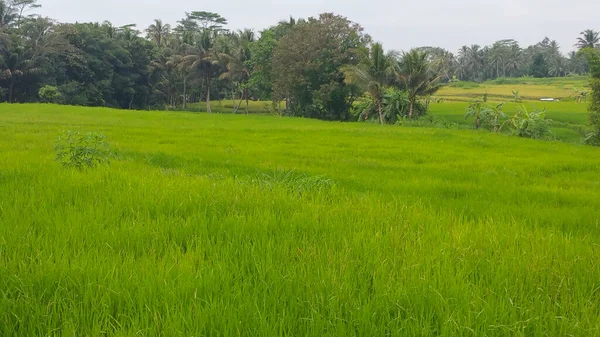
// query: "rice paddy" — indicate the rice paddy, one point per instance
point(235, 225)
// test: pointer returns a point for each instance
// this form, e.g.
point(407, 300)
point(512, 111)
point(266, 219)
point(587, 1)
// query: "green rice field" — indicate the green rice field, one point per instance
point(256, 225)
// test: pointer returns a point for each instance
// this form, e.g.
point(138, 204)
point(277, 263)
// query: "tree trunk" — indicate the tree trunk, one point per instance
point(184, 93)
point(131, 101)
point(208, 96)
point(233, 101)
point(380, 110)
point(410, 109)
point(10, 90)
point(239, 104)
point(246, 95)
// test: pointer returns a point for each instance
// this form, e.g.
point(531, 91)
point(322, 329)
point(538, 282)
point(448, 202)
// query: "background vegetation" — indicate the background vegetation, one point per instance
point(323, 67)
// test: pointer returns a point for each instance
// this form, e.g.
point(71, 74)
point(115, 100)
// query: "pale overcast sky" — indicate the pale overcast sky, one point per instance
point(397, 24)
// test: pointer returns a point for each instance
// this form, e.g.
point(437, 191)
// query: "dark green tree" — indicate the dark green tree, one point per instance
point(307, 67)
point(539, 66)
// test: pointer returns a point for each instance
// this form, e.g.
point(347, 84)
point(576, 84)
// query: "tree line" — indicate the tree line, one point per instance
point(323, 67)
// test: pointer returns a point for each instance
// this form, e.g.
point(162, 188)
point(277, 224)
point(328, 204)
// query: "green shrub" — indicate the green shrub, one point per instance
point(82, 150)
point(531, 124)
point(593, 139)
point(49, 94)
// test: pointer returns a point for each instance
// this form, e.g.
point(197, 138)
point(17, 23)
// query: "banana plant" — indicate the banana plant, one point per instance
point(475, 110)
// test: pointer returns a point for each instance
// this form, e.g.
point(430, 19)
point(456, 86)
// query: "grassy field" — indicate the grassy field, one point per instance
point(227, 106)
point(530, 89)
point(570, 118)
point(223, 225)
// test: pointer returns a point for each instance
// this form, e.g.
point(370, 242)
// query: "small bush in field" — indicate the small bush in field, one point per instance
point(49, 94)
point(82, 150)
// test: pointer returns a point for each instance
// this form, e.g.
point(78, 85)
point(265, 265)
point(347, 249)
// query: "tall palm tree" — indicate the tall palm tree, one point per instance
point(514, 60)
point(496, 59)
point(462, 69)
point(475, 60)
point(588, 39)
point(558, 67)
point(235, 61)
point(443, 61)
point(202, 62)
point(414, 72)
point(576, 63)
point(17, 64)
point(162, 70)
point(177, 62)
point(372, 74)
point(158, 32)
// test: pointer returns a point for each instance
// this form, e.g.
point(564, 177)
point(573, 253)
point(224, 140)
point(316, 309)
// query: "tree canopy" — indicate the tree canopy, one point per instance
point(319, 66)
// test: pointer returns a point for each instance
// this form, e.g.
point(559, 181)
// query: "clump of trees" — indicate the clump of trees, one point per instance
point(593, 57)
point(322, 67)
point(524, 123)
point(393, 83)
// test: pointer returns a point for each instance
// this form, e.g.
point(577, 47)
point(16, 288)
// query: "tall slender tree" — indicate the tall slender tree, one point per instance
point(589, 39)
point(372, 74)
point(158, 33)
point(414, 72)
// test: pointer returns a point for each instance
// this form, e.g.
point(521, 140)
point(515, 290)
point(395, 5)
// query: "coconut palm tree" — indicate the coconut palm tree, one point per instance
point(158, 32)
point(462, 68)
point(558, 66)
point(414, 72)
point(203, 63)
point(372, 74)
point(588, 39)
point(163, 71)
point(176, 62)
point(514, 60)
point(17, 64)
point(496, 60)
point(235, 61)
point(475, 60)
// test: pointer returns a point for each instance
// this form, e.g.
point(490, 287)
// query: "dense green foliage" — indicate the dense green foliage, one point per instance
point(263, 226)
point(593, 57)
point(82, 150)
point(317, 66)
point(307, 67)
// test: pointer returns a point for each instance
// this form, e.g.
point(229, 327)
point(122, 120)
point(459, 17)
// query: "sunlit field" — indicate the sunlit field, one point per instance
point(234, 225)
point(569, 116)
point(529, 89)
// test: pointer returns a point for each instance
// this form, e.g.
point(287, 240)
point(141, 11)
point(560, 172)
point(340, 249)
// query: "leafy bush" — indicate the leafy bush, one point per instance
point(82, 150)
point(486, 115)
point(592, 139)
point(49, 94)
point(475, 110)
point(593, 59)
point(395, 107)
point(531, 124)
point(364, 110)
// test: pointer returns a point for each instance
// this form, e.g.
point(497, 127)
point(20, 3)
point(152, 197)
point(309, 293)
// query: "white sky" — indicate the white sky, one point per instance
point(397, 24)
